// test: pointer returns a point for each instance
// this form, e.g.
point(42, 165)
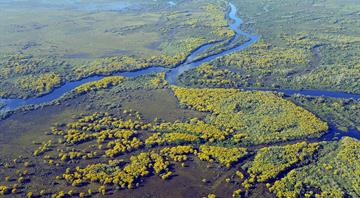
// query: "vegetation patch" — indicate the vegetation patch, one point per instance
point(344, 113)
point(100, 84)
point(335, 174)
point(223, 155)
point(257, 117)
point(271, 161)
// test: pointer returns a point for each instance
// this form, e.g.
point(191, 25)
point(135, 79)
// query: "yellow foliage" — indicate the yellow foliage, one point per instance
point(237, 193)
point(100, 84)
point(271, 161)
point(206, 131)
point(261, 117)
point(45, 147)
point(4, 190)
point(139, 166)
point(41, 84)
point(168, 138)
point(177, 153)
point(225, 156)
point(159, 80)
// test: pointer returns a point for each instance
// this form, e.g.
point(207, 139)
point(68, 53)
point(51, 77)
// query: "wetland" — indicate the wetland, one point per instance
point(188, 98)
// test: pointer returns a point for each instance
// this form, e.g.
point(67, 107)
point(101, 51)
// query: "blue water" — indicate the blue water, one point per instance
point(336, 134)
point(173, 74)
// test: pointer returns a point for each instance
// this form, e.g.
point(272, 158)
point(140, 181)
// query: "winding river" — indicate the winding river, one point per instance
point(190, 63)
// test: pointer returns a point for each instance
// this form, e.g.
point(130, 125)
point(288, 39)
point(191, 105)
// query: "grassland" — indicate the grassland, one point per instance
point(77, 42)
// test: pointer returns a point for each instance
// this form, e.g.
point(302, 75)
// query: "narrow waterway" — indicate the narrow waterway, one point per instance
point(173, 74)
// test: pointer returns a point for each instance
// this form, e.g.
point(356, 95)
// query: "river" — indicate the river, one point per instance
point(188, 64)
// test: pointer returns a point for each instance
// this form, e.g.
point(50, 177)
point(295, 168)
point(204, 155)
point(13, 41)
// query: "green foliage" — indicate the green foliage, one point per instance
point(269, 162)
point(344, 113)
point(216, 20)
point(159, 80)
point(263, 56)
point(37, 85)
point(208, 76)
point(334, 77)
point(197, 127)
point(102, 153)
point(114, 64)
point(300, 65)
point(335, 174)
point(324, 29)
point(260, 117)
point(129, 40)
point(26, 76)
point(20, 64)
point(41, 84)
